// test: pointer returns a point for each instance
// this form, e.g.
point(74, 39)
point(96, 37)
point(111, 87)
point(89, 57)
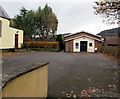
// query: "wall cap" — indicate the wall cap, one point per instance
point(7, 77)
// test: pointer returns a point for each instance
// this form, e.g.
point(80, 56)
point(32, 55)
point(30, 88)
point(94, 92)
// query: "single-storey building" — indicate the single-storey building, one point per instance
point(10, 38)
point(83, 42)
point(111, 41)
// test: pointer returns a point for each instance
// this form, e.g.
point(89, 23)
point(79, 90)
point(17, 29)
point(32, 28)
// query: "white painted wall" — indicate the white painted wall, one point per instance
point(89, 48)
point(7, 39)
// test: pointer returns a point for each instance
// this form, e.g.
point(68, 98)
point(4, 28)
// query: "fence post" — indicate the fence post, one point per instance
point(117, 52)
point(111, 50)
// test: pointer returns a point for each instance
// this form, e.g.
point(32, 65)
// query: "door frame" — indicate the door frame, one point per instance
point(16, 40)
point(85, 42)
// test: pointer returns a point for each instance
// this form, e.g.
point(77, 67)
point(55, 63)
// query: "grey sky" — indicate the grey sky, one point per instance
point(73, 16)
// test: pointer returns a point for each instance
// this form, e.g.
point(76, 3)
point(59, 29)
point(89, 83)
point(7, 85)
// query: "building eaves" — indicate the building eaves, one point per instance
point(82, 32)
point(101, 40)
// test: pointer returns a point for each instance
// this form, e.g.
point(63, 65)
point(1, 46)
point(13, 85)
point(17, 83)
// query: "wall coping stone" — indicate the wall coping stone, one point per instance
point(7, 77)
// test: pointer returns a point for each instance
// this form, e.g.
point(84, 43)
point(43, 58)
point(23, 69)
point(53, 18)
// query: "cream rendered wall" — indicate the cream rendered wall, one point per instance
point(89, 48)
point(20, 36)
point(31, 84)
point(7, 38)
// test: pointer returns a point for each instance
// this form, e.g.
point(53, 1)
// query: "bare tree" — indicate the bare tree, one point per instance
point(109, 9)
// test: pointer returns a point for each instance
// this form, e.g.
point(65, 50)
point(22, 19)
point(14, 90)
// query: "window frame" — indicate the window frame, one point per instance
point(77, 45)
point(90, 44)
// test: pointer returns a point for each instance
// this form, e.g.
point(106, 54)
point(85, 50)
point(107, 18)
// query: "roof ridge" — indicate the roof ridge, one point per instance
point(81, 32)
point(100, 39)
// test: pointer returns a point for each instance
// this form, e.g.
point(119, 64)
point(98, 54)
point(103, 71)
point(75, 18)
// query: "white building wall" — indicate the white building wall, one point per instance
point(7, 39)
point(89, 48)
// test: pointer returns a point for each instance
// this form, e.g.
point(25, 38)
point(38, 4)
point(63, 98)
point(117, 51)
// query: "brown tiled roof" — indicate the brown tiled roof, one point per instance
point(82, 34)
point(112, 40)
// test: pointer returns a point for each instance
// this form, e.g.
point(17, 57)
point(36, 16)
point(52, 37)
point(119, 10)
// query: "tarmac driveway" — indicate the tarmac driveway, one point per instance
point(73, 74)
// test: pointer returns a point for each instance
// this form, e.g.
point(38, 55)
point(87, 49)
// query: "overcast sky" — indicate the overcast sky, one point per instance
point(73, 15)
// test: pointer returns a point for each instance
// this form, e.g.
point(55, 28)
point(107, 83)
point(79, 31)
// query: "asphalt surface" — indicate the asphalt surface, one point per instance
point(70, 73)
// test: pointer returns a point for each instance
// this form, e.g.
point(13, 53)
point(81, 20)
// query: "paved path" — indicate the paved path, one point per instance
point(70, 73)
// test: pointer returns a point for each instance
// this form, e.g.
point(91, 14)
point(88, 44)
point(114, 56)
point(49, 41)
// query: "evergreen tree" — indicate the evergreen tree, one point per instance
point(42, 22)
point(61, 41)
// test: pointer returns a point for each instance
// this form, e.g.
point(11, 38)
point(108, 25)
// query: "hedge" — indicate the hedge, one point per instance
point(44, 45)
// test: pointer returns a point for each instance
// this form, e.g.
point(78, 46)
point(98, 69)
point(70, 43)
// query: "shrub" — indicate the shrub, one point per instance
point(26, 38)
point(60, 39)
point(42, 45)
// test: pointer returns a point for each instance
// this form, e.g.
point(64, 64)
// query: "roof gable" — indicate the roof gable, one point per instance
point(101, 40)
point(73, 36)
point(82, 32)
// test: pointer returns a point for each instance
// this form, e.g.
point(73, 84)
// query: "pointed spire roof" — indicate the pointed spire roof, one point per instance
point(3, 14)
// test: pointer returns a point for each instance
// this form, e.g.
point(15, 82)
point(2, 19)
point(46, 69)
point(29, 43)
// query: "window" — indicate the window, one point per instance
point(90, 44)
point(0, 27)
point(77, 45)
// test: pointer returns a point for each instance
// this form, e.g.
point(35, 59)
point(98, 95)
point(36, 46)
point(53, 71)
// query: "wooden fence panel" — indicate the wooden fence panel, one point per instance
point(111, 50)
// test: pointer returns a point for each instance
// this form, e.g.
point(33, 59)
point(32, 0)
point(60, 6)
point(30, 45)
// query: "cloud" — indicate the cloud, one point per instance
point(72, 16)
point(47, 1)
